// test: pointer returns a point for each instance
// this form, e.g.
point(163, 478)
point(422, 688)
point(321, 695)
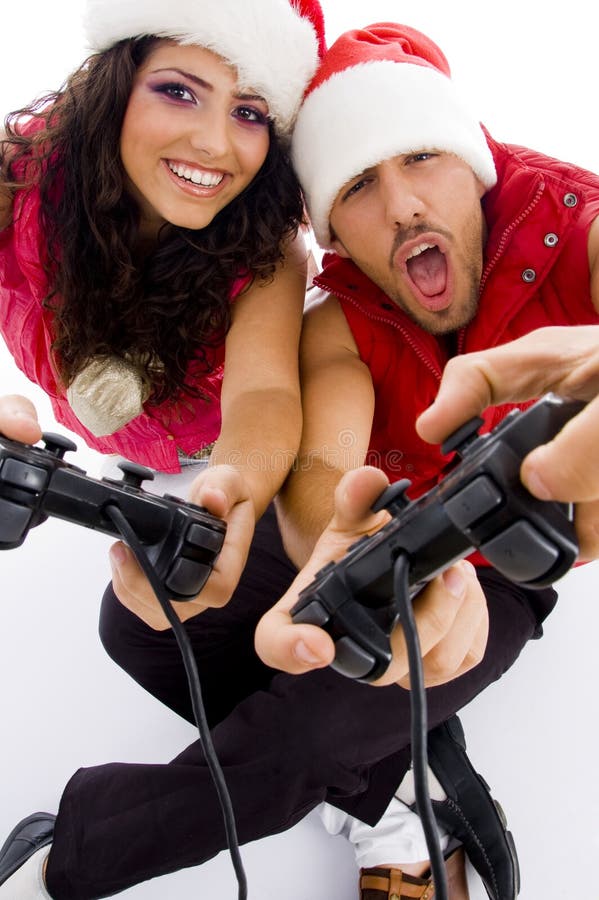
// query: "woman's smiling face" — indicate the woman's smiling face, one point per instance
point(191, 141)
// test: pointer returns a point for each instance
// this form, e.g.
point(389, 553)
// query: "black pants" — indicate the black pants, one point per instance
point(285, 743)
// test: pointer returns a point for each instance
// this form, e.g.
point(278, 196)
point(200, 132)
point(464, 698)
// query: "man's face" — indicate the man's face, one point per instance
point(414, 225)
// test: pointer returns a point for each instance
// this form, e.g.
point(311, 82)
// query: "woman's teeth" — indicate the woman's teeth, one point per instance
point(206, 179)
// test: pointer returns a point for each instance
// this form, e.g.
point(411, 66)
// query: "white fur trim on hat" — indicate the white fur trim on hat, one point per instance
point(371, 112)
point(273, 47)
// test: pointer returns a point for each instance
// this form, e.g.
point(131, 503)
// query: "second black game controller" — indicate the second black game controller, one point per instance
point(181, 540)
point(481, 504)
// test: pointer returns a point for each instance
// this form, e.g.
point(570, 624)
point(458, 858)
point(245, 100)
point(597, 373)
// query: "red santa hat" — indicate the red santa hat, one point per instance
point(380, 92)
point(275, 45)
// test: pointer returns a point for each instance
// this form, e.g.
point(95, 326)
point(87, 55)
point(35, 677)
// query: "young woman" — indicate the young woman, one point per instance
point(152, 284)
point(149, 229)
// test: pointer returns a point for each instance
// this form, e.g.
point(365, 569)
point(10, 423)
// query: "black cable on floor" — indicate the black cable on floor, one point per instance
point(195, 690)
point(419, 725)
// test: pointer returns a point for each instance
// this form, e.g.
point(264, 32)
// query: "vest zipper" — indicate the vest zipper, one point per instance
point(378, 318)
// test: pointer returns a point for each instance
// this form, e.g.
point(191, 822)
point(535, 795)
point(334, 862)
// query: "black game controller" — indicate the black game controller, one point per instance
point(480, 504)
point(181, 540)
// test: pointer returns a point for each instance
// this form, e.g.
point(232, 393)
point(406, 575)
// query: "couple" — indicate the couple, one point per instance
point(178, 342)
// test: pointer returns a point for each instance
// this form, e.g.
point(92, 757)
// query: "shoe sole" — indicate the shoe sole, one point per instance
point(447, 756)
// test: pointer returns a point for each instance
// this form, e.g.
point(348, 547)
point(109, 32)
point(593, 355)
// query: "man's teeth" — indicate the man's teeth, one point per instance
point(416, 251)
point(206, 179)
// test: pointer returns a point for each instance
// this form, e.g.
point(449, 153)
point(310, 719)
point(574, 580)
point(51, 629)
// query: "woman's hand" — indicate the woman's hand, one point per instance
point(223, 492)
point(18, 419)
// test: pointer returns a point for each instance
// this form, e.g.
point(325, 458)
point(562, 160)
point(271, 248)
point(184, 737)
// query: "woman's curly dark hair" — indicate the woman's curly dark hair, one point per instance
point(171, 306)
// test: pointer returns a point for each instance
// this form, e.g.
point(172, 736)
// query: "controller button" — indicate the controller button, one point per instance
point(312, 613)
point(461, 438)
point(351, 659)
point(204, 537)
point(328, 567)
point(57, 444)
point(23, 475)
point(134, 474)
point(477, 499)
point(14, 520)
point(187, 577)
point(521, 553)
point(394, 497)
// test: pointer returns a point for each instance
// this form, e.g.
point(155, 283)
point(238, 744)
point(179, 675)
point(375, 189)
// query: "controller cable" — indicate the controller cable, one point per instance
point(195, 690)
point(419, 724)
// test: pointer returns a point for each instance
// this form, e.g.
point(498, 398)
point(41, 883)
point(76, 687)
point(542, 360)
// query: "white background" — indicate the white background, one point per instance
point(528, 70)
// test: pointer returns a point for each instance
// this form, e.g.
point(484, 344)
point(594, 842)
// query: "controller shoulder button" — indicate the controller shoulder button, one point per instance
point(521, 552)
point(24, 475)
point(351, 659)
point(187, 577)
point(473, 501)
point(14, 520)
point(204, 537)
point(313, 613)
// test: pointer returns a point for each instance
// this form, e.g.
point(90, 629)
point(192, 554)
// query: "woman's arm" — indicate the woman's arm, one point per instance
point(261, 424)
point(260, 399)
point(338, 407)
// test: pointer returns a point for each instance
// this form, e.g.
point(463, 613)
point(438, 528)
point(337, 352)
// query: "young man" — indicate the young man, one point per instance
point(445, 243)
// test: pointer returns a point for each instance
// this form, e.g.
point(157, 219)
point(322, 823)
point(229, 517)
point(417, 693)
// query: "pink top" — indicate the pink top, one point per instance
point(153, 438)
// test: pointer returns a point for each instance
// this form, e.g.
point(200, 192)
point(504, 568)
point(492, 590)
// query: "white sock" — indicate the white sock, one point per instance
point(397, 839)
point(407, 793)
point(27, 883)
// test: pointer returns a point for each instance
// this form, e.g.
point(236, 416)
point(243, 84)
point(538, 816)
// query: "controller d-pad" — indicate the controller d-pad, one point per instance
point(473, 502)
point(14, 520)
point(521, 552)
point(23, 475)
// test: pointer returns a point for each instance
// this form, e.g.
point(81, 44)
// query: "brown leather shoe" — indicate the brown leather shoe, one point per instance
point(391, 883)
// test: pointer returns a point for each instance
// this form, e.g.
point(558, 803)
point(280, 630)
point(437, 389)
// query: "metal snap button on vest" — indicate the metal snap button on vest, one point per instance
point(550, 239)
point(570, 199)
point(529, 275)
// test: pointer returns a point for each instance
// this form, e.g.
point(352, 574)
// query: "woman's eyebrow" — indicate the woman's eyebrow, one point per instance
point(195, 78)
point(206, 84)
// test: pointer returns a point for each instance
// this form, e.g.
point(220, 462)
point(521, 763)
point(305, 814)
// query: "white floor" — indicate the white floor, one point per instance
point(64, 704)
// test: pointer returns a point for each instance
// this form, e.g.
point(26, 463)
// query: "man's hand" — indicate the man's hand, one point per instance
point(222, 491)
point(563, 360)
point(18, 419)
point(451, 613)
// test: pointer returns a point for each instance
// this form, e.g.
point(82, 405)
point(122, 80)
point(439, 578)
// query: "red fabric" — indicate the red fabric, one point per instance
point(375, 43)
